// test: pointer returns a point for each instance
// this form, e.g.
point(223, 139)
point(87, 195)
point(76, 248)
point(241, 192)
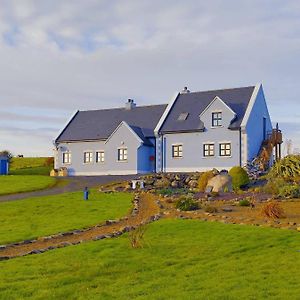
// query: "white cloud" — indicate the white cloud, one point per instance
point(62, 56)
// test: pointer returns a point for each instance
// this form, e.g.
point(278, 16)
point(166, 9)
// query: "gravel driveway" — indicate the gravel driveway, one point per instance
point(74, 184)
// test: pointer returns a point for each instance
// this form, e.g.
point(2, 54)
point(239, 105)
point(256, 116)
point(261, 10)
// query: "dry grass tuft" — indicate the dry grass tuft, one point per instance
point(272, 210)
point(136, 237)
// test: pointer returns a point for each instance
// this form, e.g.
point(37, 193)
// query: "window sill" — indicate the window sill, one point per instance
point(122, 161)
point(215, 127)
point(180, 157)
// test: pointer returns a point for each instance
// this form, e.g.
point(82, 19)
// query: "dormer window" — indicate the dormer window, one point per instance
point(216, 119)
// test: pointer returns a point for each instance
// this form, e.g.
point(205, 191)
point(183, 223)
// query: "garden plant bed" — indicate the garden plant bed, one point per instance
point(229, 211)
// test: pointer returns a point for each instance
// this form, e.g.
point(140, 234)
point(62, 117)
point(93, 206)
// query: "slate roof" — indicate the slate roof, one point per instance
point(194, 103)
point(100, 124)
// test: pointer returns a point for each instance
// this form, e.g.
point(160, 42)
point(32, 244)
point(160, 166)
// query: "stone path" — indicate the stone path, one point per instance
point(146, 210)
point(74, 184)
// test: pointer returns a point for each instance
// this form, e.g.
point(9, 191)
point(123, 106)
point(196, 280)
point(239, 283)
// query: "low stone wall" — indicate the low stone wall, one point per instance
point(171, 180)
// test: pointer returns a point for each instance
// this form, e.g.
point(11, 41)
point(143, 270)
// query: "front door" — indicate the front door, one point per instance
point(3, 167)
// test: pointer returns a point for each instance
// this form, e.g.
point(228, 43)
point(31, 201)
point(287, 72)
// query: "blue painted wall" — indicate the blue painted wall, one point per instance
point(254, 126)
point(3, 166)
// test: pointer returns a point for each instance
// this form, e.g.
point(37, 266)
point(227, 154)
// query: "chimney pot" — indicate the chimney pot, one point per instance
point(185, 90)
point(130, 104)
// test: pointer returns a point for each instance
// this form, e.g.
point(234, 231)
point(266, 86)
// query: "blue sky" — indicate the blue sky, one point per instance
point(60, 56)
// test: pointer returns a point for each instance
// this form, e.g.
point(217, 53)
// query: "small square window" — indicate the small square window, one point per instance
point(122, 154)
point(100, 156)
point(88, 157)
point(66, 158)
point(177, 151)
point(225, 149)
point(208, 150)
point(216, 119)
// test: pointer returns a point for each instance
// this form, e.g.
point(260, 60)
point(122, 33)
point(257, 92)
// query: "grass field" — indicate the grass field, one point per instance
point(183, 259)
point(29, 166)
point(31, 218)
point(14, 184)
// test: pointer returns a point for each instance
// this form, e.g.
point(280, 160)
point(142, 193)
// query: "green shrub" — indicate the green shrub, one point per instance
point(273, 186)
point(244, 202)
point(239, 176)
point(186, 204)
point(210, 209)
point(289, 191)
point(287, 168)
point(203, 180)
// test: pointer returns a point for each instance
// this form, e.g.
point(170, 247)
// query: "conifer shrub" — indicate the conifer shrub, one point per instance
point(239, 176)
point(203, 180)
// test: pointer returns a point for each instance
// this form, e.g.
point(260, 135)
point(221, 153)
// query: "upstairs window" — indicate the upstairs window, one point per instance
point(216, 119)
point(122, 154)
point(176, 151)
point(66, 158)
point(225, 149)
point(100, 156)
point(88, 157)
point(208, 150)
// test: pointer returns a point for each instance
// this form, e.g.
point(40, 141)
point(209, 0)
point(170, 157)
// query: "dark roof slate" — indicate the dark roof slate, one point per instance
point(100, 124)
point(194, 104)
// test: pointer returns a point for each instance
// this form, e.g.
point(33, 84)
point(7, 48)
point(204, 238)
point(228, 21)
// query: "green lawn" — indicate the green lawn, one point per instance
point(30, 166)
point(31, 218)
point(183, 259)
point(13, 184)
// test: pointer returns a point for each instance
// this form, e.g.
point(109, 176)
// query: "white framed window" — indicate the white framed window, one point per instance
point(122, 154)
point(209, 150)
point(177, 151)
point(100, 156)
point(66, 157)
point(216, 119)
point(88, 157)
point(225, 149)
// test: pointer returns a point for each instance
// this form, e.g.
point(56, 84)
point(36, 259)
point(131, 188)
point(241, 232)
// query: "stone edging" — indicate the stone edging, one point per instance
point(134, 212)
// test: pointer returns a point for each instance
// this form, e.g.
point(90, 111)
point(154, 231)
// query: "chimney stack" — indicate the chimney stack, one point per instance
point(185, 90)
point(130, 104)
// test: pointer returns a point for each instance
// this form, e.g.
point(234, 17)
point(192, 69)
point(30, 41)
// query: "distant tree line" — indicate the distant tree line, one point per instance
point(7, 154)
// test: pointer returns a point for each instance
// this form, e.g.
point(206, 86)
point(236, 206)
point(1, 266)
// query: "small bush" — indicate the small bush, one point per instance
point(289, 191)
point(203, 180)
point(272, 210)
point(244, 202)
point(210, 209)
point(273, 186)
point(186, 204)
point(49, 162)
point(136, 237)
point(239, 176)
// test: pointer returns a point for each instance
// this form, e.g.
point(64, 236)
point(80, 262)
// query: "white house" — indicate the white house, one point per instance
point(196, 131)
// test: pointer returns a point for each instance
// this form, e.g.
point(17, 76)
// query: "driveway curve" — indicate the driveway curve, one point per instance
point(74, 184)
